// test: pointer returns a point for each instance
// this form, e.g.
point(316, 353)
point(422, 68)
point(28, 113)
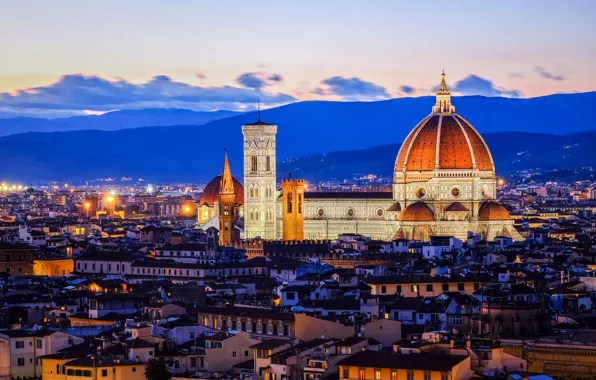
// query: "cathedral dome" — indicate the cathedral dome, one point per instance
point(417, 212)
point(490, 211)
point(443, 140)
point(211, 192)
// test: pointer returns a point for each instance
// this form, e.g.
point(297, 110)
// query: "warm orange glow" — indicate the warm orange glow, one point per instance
point(187, 209)
point(501, 182)
point(110, 199)
point(87, 205)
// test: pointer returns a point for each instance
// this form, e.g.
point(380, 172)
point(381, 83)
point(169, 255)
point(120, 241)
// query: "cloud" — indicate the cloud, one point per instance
point(475, 85)
point(517, 75)
point(408, 90)
point(77, 93)
point(351, 89)
point(548, 75)
point(201, 76)
point(258, 80)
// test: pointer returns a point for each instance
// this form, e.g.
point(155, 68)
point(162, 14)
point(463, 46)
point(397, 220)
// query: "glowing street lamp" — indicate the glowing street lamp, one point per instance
point(87, 207)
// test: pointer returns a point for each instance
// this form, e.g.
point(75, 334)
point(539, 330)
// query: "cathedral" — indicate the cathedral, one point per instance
point(443, 184)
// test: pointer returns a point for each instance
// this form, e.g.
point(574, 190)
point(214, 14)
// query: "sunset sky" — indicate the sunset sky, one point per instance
point(62, 58)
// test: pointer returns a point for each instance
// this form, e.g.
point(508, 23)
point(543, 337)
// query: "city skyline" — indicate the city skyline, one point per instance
point(64, 60)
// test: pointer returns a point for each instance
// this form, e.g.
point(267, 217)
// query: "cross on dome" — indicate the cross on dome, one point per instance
point(443, 104)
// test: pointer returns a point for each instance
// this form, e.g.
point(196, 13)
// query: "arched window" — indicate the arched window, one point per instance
point(256, 192)
point(253, 164)
point(268, 163)
point(299, 203)
point(289, 206)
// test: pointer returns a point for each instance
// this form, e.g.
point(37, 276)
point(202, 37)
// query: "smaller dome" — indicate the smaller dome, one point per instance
point(417, 212)
point(394, 207)
point(493, 211)
point(210, 194)
point(456, 206)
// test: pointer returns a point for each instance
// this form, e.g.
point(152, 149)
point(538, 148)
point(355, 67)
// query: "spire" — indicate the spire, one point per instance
point(443, 104)
point(226, 185)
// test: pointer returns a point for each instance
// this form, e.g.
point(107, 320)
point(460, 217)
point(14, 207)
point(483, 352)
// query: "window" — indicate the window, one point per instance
point(444, 376)
point(20, 344)
point(234, 354)
point(456, 320)
point(291, 295)
point(445, 287)
point(253, 164)
point(415, 288)
point(193, 362)
point(299, 203)
point(476, 286)
point(426, 375)
point(39, 343)
point(289, 205)
point(398, 289)
point(377, 374)
point(393, 375)
point(268, 163)
point(361, 373)
point(410, 376)
point(346, 373)
point(429, 287)
point(104, 373)
point(245, 353)
point(21, 362)
point(383, 289)
point(350, 212)
point(460, 286)
point(134, 369)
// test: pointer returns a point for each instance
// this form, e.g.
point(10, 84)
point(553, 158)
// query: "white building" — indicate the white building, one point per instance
point(260, 189)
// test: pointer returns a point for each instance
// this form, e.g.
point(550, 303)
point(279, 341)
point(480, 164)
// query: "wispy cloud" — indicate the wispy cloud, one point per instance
point(351, 89)
point(548, 75)
point(405, 89)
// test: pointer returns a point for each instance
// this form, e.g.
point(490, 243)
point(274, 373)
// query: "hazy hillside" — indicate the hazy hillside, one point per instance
point(191, 153)
point(112, 121)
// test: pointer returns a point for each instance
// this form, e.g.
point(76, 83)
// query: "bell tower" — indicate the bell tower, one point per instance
point(227, 205)
point(259, 179)
point(293, 208)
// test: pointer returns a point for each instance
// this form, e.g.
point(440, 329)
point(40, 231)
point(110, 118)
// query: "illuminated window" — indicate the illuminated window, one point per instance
point(415, 288)
point(393, 375)
point(361, 373)
point(377, 374)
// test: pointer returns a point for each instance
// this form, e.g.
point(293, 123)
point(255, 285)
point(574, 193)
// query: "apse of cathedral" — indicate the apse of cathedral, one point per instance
point(444, 184)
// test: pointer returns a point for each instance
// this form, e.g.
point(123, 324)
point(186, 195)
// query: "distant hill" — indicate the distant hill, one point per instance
point(112, 121)
point(194, 153)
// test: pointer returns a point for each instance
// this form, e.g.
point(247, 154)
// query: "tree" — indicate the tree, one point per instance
point(157, 370)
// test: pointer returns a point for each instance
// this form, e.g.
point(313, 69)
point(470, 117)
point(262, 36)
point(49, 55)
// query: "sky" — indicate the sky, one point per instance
point(68, 57)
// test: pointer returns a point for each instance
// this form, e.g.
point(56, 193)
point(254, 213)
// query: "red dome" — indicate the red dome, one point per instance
point(417, 212)
point(493, 211)
point(443, 141)
point(211, 192)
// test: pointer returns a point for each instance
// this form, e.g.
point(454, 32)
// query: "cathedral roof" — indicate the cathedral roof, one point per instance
point(443, 140)
point(493, 211)
point(456, 206)
point(211, 193)
point(394, 207)
point(417, 212)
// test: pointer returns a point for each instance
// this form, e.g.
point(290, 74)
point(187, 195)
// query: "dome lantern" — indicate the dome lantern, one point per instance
point(443, 104)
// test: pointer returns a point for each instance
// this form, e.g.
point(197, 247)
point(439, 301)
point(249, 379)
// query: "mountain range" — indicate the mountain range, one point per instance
point(552, 131)
point(112, 121)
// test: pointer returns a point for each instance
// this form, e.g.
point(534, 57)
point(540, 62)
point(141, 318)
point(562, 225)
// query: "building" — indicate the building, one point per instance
point(92, 367)
point(17, 259)
point(372, 365)
point(443, 184)
point(227, 206)
point(260, 180)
